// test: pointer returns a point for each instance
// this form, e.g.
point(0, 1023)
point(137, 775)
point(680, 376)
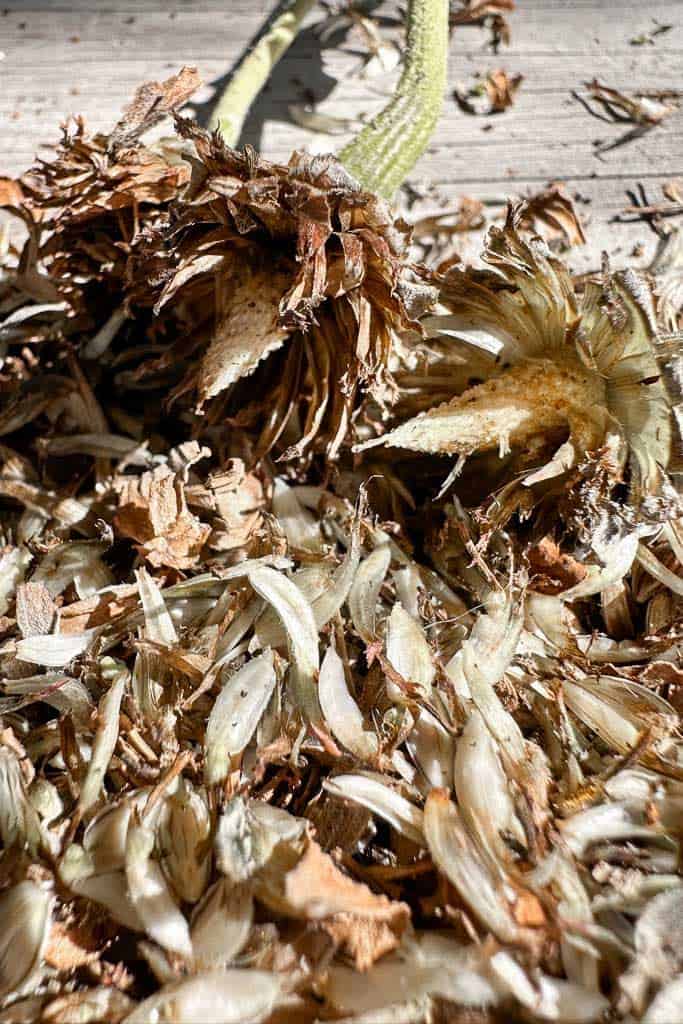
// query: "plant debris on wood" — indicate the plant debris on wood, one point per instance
point(492, 95)
point(551, 213)
point(438, 225)
point(655, 213)
point(648, 38)
point(645, 110)
point(341, 602)
point(488, 13)
point(639, 108)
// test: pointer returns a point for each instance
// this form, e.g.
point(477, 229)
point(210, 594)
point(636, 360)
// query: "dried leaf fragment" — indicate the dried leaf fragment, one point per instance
point(502, 89)
point(153, 511)
point(553, 571)
point(638, 107)
point(248, 332)
point(151, 103)
point(70, 947)
point(35, 609)
point(315, 889)
point(471, 11)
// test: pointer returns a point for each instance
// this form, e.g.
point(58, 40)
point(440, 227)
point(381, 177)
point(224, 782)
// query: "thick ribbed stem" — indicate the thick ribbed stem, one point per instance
point(254, 70)
point(387, 149)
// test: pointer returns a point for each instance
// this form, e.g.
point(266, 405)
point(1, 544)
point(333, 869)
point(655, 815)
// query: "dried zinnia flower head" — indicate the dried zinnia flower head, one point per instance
point(560, 385)
point(85, 207)
point(62, 289)
point(261, 255)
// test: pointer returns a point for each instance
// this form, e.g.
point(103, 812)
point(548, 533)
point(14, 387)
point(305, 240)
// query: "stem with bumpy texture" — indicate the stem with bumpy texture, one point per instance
point(387, 149)
point(252, 73)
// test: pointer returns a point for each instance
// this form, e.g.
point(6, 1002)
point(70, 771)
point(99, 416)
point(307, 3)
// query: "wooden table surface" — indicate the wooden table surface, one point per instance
point(79, 56)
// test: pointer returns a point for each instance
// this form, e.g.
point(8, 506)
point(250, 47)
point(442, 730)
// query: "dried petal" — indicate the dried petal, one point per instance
point(104, 742)
point(365, 591)
point(302, 636)
point(150, 896)
point(408, 651)
point(26, 911)
point(55, 650)
point(381, 800)
point(230, 996)
point(341, 712)
point(236, 714)
point(221, 924)
point(455, 854)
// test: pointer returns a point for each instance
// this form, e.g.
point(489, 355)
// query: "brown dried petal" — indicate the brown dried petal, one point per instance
point(502, 89)
point(554, 571)
point(11, 193)
point(153, 511)
point(552, 214)
point(150, 104)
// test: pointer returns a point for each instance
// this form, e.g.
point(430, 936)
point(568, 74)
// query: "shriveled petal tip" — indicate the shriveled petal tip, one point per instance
point(249, 331)
point(151, 103)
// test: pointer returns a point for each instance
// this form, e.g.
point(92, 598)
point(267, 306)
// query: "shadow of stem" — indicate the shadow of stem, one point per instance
point(299, 77)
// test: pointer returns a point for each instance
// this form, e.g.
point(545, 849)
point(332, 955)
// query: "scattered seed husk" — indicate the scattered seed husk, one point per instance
point(293, 731)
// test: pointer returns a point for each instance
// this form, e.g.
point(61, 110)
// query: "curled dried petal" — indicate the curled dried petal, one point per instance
point(341, 712)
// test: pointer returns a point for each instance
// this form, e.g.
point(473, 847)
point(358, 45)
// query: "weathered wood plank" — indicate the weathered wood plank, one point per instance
point(66, 56)
point(544, 26)
point(545, 133)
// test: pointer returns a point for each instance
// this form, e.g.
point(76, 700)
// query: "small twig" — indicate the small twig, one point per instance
point(654, 209)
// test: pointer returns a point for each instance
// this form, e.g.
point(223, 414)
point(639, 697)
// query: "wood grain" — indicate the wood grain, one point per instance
point(67, 56)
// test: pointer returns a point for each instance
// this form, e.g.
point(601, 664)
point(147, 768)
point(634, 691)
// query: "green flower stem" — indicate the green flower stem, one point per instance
point(387, 149)
point(252, 73)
